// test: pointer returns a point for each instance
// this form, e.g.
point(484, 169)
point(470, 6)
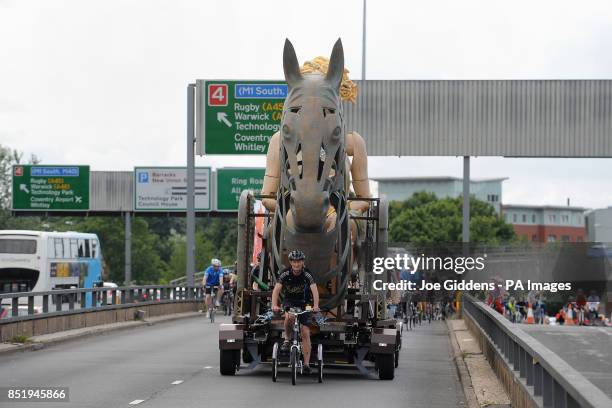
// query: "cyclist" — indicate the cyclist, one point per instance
point(299, 288)
point(213, 278)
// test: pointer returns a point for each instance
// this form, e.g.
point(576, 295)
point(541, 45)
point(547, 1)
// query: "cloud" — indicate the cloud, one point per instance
point(104, 82)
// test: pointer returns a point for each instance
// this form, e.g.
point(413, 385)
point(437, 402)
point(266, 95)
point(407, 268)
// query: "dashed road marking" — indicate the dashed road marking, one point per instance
point(136, 402)
point(208, 367)
point(177, 382)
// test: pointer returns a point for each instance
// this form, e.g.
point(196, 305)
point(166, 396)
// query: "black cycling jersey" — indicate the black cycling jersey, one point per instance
point(296, 288)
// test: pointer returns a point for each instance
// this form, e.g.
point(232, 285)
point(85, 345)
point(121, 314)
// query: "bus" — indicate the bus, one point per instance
point(40, 261)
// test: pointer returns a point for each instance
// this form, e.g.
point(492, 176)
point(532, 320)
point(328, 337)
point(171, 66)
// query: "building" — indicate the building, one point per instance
point(402, 188)
point(599, 225)
point(547, 223)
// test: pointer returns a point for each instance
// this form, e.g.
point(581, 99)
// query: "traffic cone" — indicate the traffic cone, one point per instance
point(530, 318)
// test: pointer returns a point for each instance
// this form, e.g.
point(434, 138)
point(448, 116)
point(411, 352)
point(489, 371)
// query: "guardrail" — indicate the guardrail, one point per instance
point(549, 380)
point(198, 276)
point(37, 305)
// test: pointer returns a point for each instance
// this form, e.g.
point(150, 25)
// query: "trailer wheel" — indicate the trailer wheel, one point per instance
point(386, 366)
point(246, 356)
point(227, 361)
point(293, 363)
point(398, 347)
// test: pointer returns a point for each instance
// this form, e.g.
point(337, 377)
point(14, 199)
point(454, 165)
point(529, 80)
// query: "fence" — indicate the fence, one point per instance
point(36, 313)
point(547, 380)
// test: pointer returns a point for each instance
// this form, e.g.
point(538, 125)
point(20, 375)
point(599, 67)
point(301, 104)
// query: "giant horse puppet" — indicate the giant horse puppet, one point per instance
point(306, 190)
point(311, 211)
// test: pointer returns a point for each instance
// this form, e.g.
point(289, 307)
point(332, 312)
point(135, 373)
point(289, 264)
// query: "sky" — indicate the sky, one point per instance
point(104, 82)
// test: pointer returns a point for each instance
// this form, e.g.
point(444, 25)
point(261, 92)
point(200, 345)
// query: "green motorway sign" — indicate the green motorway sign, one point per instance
point(238, 117)
point(231, 183)
point(50, 188)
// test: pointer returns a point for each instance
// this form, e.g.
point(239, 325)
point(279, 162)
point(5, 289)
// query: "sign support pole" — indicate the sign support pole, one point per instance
point(466, 199)
point(363, 44)
point(190, 232)
point(128, 249)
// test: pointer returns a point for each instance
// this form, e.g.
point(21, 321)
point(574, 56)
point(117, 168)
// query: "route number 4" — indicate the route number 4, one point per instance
point(217, 95)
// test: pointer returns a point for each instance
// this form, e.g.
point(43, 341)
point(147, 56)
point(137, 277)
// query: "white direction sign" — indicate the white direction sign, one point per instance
point(165, 189)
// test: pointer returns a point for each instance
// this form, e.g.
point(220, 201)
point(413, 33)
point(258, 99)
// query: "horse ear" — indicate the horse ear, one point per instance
point(336, 65)
point(291, 65)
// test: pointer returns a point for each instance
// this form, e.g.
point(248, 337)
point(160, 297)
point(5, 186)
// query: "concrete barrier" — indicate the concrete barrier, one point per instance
point(533, 375)
point(516, 389)
point(81, 319)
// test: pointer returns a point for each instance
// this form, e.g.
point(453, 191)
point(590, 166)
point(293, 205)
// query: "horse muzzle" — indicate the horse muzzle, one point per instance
point(309, 210)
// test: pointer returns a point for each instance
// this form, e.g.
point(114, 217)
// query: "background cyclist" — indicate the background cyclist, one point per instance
point(213, 277)
point(299, 289)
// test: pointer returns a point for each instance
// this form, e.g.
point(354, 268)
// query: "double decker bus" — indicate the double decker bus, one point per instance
point(38, 261)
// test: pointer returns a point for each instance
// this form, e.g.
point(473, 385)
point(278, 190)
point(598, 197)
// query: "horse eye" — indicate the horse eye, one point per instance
point(328, 111)
point(295, 109)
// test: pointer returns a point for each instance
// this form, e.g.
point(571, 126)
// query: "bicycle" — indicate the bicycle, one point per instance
point(213, 299)
point(228, 301)
point(295, 352)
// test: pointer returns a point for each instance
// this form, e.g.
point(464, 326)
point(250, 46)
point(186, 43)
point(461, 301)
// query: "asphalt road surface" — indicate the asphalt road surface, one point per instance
point(176, 364)
point(587, 349)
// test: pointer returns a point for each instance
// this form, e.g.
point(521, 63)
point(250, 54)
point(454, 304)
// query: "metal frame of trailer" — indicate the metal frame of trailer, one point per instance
point(355, 332)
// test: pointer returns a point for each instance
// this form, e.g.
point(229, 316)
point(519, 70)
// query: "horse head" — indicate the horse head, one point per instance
point(312, 140)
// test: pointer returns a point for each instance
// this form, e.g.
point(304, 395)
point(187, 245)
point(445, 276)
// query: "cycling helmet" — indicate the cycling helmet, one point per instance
point(296, 255)
point(215, 262)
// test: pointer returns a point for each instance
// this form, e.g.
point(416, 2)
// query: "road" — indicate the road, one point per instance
point(587, 349)
point(119, 368)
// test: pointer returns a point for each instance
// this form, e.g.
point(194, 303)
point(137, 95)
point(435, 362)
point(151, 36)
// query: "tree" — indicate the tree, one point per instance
point(146, 265)
point(425, 220)
point(418, 199)
point(215, 238)
point(8, 158)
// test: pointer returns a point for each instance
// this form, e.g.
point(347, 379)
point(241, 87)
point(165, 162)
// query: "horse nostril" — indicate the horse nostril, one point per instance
point(336, 131)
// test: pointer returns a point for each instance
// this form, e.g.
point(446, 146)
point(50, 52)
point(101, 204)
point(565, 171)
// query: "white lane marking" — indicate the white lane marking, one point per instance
point(136, 402)
point(177, 382)
point(208, 367)
point(605, 331)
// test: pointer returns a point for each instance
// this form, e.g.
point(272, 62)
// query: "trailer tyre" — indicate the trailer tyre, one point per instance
point(227, 361)
point(398, 347)
point(246, 356)
point(386, 366)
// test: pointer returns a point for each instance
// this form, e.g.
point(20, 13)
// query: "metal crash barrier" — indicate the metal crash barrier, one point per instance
point(548, 379)
point(23, 306)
